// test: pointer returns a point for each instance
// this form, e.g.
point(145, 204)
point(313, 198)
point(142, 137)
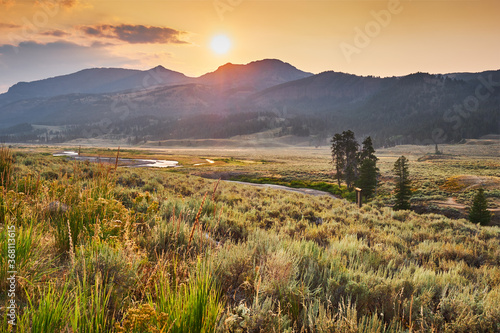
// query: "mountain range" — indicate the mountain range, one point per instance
point(266, 95)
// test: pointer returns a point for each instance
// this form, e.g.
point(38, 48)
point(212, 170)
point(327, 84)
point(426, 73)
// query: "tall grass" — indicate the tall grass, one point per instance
point(6, 161)
point(32, 261)
point(191, 307)
point(90, 313)
point(54, 308)
point(87, 203)
point(48, 313)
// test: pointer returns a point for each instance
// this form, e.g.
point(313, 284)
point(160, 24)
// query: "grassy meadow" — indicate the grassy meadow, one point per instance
point(100, 249)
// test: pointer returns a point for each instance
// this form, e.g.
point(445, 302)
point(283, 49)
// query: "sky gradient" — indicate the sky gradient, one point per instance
point(40, 39)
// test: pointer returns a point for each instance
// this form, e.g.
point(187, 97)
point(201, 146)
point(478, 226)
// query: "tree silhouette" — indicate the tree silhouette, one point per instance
point(338, 156)
point(368, 152)
point(479, 212)
point(368, 170)
point(367, 180)
point(351, 158)
point(345, 157)
point(402, 189)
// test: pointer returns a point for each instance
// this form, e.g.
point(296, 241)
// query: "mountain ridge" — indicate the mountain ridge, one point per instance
point(91, 80)
point(261, 95)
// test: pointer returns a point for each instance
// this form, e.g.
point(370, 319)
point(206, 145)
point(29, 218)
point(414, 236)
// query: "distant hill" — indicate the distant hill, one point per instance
point(93, 81)
point(327, 90)
point(467, 76)
point(89, 95)
point(417, 108)
point(244, 99)
point(255, 76)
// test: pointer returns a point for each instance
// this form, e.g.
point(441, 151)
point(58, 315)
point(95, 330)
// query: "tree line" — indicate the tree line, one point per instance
point(354, 166)
point(358, 167)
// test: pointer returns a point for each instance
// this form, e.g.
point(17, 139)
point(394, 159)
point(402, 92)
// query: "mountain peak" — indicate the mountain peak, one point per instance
point(255, 75)
point(227, 66)
point(269, 61)
point(160, 68)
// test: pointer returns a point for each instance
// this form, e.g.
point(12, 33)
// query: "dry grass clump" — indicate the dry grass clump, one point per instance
point(6, 161)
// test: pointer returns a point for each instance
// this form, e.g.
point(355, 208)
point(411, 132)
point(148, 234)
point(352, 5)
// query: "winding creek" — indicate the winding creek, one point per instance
point(143, 163)
point(301, 190)
point(123, 162)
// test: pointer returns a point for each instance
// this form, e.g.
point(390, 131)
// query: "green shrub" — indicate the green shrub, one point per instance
point(130, 180)
point(28, 162)
point(111, 265)
point(49, 175)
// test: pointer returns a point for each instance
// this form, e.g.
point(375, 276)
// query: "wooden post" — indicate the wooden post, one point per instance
point(359, 200)
point(79, 149)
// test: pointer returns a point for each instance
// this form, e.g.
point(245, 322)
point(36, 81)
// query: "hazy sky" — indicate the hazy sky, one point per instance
point(39, 39)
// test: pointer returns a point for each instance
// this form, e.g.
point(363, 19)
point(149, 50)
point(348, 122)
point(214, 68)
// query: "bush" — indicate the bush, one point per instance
point(49, 175)
point(130, 180)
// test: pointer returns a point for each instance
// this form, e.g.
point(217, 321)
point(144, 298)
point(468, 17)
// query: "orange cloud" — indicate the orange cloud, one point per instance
point(55, 33)
point(7, 3)
point(62, 3)
point(9, 26)
point(135, 34)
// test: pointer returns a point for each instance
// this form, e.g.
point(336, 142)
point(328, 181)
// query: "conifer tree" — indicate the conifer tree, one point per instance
point(368, 152)
point(351, 158)
point(403, 188)
point(479, 212)
point(367, 180)
point(338, 156)
point(368, 170)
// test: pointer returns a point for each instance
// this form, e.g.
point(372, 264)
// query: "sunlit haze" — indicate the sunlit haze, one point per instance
point(40, 39)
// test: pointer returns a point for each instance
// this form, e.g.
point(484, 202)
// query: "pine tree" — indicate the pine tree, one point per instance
point(479, 212)
point(367, 180)
point(403, 189)
point(338, 156)
point(351, 158)
point(368, 152)
point(368, 170)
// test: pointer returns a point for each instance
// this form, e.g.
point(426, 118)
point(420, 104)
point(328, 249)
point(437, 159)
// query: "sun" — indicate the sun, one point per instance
point(220, 44)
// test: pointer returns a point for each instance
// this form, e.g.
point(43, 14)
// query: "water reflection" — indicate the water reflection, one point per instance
point(125, 162)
